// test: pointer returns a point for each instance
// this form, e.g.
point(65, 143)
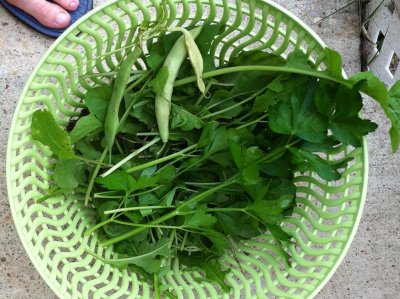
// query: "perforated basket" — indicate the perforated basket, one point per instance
point(324, 220)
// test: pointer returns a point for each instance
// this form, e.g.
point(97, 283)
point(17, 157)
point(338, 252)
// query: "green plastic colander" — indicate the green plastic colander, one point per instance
point(324, 221)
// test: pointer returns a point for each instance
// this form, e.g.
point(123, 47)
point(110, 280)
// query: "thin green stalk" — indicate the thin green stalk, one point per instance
point(92, 162)
point(97, 226)
point(176, 160)
point(203, 94)
point(107, 196)
point(195, 199)
point(121, 151)
point(130, 156)
point(157, 292)
point(147, 225)
point(237, 104)
point(148, 134)
point(161, 160)
point(252, 122)
point(229, 98)
point(94, 175)
point(137, 82)
point(144, 192)
point(184, 240)
point(263, 68)
point(95, 75)
point(136, 209)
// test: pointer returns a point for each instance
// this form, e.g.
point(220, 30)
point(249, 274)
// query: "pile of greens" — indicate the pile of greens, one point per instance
point(212, 162)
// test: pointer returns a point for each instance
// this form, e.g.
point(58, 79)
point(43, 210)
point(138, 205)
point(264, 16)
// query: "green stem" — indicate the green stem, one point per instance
point(107, 196)
point(161, 160)
point(157, 293)
point(136, 96)
point(201, 97)
point(147, 225)
point(266, 68)
point(137, 82)
point(236, 105)
point(228, 99)
point(130, 156)
point(94, 175)
point(252, 122)
point(136, 209)
point(184, 241)
point(92, 162)
point(97, 226)
point(195, 199)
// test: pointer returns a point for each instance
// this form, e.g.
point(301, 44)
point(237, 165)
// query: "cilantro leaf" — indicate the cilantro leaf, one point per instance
point(351, 130)
point(118, 180)
point(299, 117)
point(199, 219)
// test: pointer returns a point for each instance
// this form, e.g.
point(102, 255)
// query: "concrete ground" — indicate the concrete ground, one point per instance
point(371, 268)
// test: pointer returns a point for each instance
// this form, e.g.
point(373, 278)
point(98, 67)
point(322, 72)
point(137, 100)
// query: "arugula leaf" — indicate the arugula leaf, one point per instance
point(87, 150)
point(84, 126)
point(69, 174)
point(45, 130)
point(148, 256)
point(97, 100)
point(144, 111)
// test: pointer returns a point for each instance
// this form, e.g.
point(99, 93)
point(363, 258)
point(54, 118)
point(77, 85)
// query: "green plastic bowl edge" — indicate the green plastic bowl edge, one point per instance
point(33, 257)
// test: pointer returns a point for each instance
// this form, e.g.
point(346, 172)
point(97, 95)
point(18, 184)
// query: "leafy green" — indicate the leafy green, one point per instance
point(85, 126)
point(147, 257)
point(183, 119)
point(47, 131)
point(69, 174)
point(97, 100)
point(118, 180)
point(228, 171)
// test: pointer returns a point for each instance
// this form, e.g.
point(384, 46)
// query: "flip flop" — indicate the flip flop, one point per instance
point(84, 7)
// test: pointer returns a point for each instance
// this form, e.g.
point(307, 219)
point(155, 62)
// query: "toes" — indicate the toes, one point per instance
point(47, 13)
point(70, 5)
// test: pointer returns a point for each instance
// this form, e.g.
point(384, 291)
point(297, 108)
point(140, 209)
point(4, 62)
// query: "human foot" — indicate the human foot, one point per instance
point(52, 15)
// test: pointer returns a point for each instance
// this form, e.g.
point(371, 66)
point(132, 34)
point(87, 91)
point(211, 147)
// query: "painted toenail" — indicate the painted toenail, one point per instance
point(61, 18)
point(73, 4)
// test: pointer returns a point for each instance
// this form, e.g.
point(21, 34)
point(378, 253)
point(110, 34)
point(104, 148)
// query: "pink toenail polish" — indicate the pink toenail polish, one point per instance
point(61, 18)
point(73, 4)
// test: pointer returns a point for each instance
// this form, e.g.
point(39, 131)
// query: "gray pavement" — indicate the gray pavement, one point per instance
point(371, 269)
